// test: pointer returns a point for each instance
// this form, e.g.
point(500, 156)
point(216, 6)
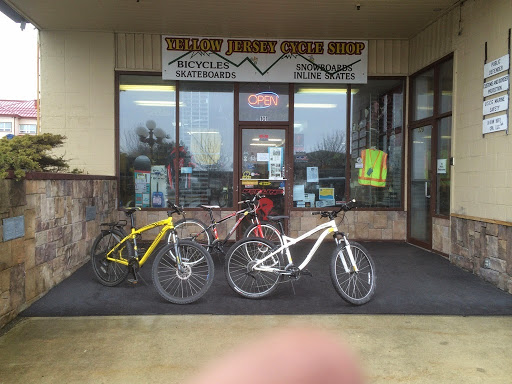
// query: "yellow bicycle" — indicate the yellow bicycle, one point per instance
point(182, 270)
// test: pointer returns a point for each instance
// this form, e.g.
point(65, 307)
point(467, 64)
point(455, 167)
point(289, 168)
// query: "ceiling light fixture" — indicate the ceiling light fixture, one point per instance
point(312, 105)
point(147, 87)
point(156, 103)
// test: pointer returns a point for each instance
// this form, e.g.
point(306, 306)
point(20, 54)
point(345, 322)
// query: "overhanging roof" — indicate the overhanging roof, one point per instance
point(321, 19)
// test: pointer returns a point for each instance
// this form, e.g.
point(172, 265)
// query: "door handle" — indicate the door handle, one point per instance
point(426, 190)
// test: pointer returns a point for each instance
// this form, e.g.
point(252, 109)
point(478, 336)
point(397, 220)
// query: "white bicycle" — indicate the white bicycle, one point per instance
point(254, 266)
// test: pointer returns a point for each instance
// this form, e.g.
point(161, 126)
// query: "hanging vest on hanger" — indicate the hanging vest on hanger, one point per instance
point(375, 170)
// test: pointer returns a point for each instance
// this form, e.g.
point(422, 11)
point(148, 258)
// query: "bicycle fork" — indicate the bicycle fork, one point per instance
point(340, 238)
point(179, 264)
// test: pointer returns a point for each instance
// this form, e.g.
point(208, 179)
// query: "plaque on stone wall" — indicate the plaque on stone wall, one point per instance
point(90, 213)
point(14, 227)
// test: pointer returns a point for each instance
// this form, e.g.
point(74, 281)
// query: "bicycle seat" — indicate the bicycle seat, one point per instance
point(208, 207)
point(277, 218)
point(130, 210)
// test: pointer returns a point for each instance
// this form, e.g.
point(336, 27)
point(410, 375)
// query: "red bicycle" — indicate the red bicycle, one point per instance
point(208, 237)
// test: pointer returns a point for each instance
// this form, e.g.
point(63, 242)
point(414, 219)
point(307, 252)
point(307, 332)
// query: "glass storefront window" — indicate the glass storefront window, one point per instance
point(263, 102)
point(423, 95)
point(444, 144)
point(445, 86)
point(187, 156)
point(319, 148)
point(147, 115)
point(377, 143)
point(205, 153)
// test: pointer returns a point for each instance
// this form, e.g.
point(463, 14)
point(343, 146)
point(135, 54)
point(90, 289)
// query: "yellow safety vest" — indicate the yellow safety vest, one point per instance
point(375, 170)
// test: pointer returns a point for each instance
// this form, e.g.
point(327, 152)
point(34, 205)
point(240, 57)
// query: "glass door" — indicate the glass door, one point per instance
point(420, 218)
point(263, 156)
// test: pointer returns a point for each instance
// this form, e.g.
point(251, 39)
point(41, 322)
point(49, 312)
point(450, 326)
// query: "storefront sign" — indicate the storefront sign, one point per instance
point(264, 60)
point(496, 66)
point(495, 124)
point(497, 104)
point(495, 86)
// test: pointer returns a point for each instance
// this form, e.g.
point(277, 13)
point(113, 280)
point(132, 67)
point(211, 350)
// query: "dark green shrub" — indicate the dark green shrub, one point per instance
point(22, 154)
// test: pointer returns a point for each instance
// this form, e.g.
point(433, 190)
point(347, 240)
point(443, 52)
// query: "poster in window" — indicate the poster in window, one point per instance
point(326, 195)
point(142, 188)
point(275, 163)
point(159, 182)
point(312, 174)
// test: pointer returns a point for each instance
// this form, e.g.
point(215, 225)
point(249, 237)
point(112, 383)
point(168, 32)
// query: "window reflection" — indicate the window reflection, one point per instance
point(446, 86)
point(319, 147)
point(444, 143)
point(147, 110)
point(205, 153)
point(423, 95)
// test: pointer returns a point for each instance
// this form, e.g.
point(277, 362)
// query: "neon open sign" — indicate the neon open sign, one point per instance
point(263, 100)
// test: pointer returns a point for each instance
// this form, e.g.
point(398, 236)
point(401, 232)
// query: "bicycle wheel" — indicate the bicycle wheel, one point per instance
point(109, 272)
point(192, 229)
point(270, 232)
point(241, 277)
point(354, 287)
point(189, 284)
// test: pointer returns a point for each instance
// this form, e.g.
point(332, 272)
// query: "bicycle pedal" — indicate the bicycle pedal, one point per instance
point(305, 272)
point(133, 281)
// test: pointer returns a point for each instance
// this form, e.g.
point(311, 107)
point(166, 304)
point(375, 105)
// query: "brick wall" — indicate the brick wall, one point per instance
point(61, 219)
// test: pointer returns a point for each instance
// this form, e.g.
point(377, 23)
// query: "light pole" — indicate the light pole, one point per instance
point(150, 135)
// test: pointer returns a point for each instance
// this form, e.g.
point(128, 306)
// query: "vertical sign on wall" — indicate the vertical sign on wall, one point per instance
point(495, 85)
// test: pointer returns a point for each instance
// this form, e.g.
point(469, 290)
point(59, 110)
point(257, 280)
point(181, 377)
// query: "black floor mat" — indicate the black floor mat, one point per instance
point(409, 281)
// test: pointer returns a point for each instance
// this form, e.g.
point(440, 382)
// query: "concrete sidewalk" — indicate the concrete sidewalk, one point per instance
point(169, 349)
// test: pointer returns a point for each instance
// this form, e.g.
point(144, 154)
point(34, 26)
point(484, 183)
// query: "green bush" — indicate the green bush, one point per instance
point(22, 154)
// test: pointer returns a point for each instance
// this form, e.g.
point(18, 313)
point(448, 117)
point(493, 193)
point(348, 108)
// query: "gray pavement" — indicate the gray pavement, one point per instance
point(170, 349)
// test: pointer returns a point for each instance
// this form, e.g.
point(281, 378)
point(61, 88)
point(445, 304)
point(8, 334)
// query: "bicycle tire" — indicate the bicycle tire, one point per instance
point(356, 288)
point(189, 285)
point(240, 257)
point(270, 232)
point(110, 273)
point(192, 229)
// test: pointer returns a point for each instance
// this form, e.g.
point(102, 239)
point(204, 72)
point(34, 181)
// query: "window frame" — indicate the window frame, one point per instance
point(118, 75)
point(4, 129)
point(435, 121)
point(288, 125)
point(28, 132)
point(403, 79)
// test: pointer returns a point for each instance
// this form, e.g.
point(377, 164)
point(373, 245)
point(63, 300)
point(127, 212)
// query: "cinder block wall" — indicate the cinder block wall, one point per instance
point(61, 219)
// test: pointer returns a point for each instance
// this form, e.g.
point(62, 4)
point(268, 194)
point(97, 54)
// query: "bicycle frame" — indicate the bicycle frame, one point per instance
point(166, 224)
point(240, 215)
point(329, 227)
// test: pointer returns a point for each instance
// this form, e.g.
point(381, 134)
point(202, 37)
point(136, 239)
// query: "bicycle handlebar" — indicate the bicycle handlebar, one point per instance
point(175, 209)
point(345, 207)
point(257, 196)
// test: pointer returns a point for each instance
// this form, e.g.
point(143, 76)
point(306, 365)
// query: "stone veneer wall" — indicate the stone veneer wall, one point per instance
point(145, 217)
point(484, 249)
point(57, 234)
point(359, 225)
point(441, 240)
